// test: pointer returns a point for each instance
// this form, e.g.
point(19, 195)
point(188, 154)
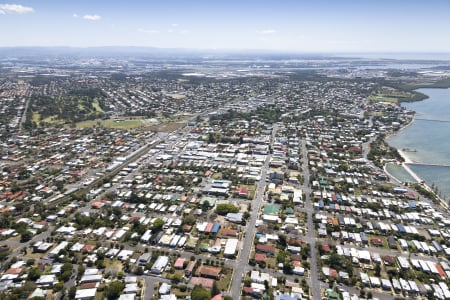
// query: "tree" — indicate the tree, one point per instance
point(158, 225)
point(287, 268)
point(65, 276)
point(223, 209)
point(176, 278)
point(30, 262)
point(205, 205)
point(26, 236)
point(199, 293)
point(34, 274)
point(72, 292)
point(189, 220)
point(114, 289)
point(377, 270)
point(139, 271)
point(215, 289)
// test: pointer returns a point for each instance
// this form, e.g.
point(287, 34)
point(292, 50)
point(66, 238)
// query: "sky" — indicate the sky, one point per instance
point(283, 25)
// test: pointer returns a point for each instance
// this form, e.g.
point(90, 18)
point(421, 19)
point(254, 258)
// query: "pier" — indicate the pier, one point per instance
point(433, 120)
point(424, 164)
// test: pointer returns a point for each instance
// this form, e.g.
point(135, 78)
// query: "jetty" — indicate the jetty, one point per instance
point(424, 164)
point(433, 120)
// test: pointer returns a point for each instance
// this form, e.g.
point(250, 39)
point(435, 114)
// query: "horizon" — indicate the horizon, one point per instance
point(142, 50)
point(291, 26)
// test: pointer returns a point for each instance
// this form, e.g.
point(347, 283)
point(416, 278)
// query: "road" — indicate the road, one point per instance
point(314, 277)
point(23, 119)
point(18, 247)
point(149, 285)
point(239, 272)
point(72, 281)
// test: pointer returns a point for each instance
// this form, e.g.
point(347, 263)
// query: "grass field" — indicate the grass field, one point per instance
point(166, 127)
point(97, 107)
point(36, 117)
point(131, 123)
point(113, 264)
point(176, 96)
point(125, 123)
point(390, 95)
point(383, 98)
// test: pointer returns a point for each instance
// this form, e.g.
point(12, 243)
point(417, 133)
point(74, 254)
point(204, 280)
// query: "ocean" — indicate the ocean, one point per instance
point(429, 139)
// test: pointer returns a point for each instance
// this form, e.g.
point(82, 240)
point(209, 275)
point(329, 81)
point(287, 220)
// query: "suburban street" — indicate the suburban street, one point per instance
point(314, 277)
point(244, 255)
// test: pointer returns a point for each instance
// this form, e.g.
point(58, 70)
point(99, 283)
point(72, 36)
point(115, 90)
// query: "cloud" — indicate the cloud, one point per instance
point(92, 17)
point(266, 31)
point(174, 25)
point(75, 15)
point(149, 31)
point(14, 9)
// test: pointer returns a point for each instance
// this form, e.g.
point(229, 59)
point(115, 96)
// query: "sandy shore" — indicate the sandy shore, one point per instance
point(405, 157)
point(407, 160)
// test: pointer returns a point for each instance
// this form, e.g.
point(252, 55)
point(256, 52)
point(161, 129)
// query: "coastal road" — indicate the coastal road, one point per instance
point(314, 277)
point(239, 272)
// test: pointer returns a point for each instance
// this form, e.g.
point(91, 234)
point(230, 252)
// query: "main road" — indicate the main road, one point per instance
point(243, 258)
point(314, 277)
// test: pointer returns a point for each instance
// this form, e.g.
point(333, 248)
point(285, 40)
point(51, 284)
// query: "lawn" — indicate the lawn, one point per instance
point(176, 96)
point(179, 293)
point(99, 296)
point(225, 279)
point(251, 190)
point(124, 123)
point(36, 117)
point(217, 176)
point(36, 256)
point(391, 95)
point(166, 127)
point(113, 264)
point(383, 98)
point(97, 107)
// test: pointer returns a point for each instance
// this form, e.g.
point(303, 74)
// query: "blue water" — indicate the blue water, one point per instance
point(430, 137)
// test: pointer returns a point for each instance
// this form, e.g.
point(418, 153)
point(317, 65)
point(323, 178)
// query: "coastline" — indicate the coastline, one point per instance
point(403, 154)
point(408, 160)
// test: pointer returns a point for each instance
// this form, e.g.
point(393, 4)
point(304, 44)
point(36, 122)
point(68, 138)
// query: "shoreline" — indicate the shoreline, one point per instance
point(408, 160)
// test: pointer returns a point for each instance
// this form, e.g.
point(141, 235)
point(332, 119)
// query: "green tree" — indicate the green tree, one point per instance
point(377, 270)
point(26, 236)
point(34, 274)
point(139, 271)
point(158, 225)
point(65, 276)
point(72, 292)
point(114, 289)
point(189, 220)
point(215, 289)
point(223, 209)
point(205, 205)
